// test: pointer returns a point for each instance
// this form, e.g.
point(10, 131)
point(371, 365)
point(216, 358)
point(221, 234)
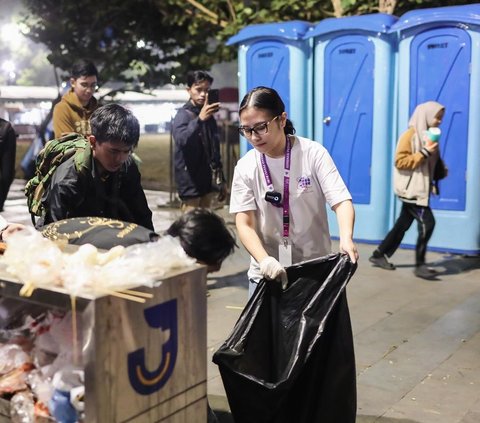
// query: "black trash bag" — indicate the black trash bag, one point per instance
point(290, 357)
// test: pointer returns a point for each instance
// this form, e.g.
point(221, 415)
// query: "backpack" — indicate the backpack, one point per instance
point(50, 157)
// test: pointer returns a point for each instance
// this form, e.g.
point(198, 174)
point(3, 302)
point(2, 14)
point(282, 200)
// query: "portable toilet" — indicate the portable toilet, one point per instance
point(439, 60)
point(354, 98)
point(276, 55)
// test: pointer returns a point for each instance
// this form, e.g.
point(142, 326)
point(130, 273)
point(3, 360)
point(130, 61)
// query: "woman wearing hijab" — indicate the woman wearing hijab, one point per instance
point(415, 160)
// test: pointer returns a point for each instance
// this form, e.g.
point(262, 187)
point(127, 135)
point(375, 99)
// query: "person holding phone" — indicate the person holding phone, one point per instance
point(197, 145)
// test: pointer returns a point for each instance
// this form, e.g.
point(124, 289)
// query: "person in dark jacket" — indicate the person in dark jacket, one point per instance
point(111, 187)
point(197, 146)
point(8, 149)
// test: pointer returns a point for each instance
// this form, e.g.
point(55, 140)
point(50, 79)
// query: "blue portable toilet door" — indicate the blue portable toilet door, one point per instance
point(269, 66)
point(440, 71)
point(348, 108)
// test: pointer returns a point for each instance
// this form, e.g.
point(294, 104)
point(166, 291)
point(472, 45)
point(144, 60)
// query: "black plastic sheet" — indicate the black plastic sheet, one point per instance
point(290, 356)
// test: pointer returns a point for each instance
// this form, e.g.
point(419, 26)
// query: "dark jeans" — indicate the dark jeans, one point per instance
point(426, 224)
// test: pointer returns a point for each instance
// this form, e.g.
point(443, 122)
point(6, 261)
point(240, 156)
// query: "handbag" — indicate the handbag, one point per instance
point(440, 171)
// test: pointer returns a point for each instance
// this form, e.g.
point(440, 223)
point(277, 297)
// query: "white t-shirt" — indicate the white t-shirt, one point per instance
point(314, 181)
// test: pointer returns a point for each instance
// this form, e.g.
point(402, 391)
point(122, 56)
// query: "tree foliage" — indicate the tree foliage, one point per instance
point(145, 42)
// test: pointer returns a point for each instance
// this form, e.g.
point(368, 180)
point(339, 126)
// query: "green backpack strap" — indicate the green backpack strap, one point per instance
point(50, 157)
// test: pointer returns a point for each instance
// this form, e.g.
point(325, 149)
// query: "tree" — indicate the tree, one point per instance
point(146, 43)
point(394, 7)
point(21, 60)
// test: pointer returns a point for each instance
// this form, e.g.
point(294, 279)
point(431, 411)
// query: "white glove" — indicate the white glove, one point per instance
point(272, 269)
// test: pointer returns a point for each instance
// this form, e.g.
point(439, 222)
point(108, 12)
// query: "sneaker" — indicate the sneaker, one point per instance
point(381, 262)
point(432, 270)
point(425, 272)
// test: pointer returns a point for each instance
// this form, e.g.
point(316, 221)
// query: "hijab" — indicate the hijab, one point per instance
point(422, 118)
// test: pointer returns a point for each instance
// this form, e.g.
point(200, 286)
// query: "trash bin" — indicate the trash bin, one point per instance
point(277, 56)
point(438, 60)
point(353, 98)
point(142, 362)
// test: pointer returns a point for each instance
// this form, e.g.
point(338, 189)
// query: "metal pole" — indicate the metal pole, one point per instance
point(171, 184)
point(172, 190)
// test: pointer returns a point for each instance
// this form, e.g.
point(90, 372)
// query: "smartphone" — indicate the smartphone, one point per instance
point(213, 96)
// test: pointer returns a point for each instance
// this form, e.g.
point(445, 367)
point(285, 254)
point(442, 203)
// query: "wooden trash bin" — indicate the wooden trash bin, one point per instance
point(143, 362)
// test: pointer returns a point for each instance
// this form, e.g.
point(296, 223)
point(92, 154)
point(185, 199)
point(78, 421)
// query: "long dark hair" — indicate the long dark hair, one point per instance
point(267, 99)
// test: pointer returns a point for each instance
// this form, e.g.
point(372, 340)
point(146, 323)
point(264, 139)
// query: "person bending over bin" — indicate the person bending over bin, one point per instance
point(203, 235)
point(107, 183)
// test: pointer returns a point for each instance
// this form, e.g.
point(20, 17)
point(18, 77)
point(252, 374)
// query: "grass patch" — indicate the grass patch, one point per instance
point(154, 151)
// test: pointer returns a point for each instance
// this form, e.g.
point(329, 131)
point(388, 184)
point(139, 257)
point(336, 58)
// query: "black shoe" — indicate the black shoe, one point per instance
point(425, 272)
point(381, 262)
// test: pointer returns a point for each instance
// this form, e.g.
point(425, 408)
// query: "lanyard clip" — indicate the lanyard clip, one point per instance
point(285, 242)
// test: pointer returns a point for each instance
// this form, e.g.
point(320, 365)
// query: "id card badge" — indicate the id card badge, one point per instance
point(285, 254)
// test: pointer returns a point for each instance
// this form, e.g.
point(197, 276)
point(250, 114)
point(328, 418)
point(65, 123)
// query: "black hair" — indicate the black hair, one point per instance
point(204, 236)
point(83, 67)
point(266, 99)
point(194, 77)
point(115, 123)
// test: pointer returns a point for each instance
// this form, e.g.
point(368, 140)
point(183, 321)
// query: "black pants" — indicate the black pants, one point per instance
point(426, 224)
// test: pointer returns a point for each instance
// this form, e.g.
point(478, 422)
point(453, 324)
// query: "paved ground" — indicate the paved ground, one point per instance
point(417, 342)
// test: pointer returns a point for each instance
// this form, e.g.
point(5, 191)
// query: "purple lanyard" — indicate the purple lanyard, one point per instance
point(286, 182)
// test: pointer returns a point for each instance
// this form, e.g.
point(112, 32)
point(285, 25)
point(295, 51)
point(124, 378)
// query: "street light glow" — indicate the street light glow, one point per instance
point(10, 34)
point(8, 66)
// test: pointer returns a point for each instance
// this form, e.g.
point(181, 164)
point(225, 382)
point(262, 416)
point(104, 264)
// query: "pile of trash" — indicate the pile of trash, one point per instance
point(42, 263)
point(38, 375)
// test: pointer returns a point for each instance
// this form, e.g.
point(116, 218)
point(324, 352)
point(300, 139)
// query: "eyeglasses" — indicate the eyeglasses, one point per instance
point(259, 128)
point(86, 85)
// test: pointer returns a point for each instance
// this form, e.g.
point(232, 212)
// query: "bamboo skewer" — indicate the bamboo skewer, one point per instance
point(137, 293)
point(74, 330)
point(122, 295)
point(128, 294)
point(27, 289)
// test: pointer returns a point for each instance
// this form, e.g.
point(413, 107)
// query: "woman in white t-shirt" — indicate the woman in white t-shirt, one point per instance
point(280, 189)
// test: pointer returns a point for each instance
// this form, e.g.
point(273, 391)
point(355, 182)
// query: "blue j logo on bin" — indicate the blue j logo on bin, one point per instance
point(162, 317)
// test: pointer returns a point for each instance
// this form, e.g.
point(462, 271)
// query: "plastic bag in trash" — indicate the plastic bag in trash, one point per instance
point(290, 357)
